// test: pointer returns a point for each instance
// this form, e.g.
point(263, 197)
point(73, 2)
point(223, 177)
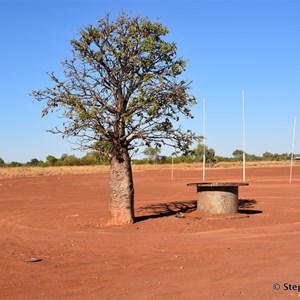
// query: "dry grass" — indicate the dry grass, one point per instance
point(48, 171)
point(41, 171)
point(252, 164)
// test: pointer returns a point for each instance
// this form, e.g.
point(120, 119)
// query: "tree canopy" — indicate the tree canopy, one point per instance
point(152, 153)
point(120, 87)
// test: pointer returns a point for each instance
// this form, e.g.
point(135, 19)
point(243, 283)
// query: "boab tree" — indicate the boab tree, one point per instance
point(120, 89)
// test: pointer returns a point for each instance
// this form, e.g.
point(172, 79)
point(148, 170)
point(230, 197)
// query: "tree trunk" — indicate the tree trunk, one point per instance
point(121, 205)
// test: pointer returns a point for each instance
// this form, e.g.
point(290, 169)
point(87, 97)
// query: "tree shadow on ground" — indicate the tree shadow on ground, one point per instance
point(246, 205)
point(159, 210)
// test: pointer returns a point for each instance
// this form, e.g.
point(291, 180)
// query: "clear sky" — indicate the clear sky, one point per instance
point(230, 45)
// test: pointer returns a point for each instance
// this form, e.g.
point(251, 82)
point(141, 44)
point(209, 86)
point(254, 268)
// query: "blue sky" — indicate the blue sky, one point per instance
point(230, 45)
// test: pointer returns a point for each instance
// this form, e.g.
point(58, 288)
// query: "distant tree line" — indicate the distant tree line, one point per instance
point(152, 156)
point(91, 158)
point(196, 155)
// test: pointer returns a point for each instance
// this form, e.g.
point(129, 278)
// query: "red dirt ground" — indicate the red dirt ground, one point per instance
point(61, 219)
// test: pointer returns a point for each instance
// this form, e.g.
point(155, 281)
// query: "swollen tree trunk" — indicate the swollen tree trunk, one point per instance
point(121, 205)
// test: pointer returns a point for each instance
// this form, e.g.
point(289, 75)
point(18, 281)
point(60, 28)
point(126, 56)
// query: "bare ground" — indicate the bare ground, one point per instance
point(62, 220)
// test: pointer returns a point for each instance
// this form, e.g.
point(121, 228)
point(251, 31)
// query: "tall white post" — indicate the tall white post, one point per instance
point(204, 150)
point(172, 170)
point(293, 147)
point(244, 143)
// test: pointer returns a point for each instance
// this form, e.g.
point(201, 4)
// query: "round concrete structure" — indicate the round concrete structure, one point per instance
point(218, 197)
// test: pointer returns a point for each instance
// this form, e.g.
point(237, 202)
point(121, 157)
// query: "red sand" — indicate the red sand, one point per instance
point(62, 221)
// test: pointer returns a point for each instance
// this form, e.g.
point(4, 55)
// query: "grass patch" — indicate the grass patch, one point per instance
point(24, 171)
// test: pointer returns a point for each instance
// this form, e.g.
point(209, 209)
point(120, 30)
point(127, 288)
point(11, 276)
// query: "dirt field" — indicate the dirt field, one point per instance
point(62, 220)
